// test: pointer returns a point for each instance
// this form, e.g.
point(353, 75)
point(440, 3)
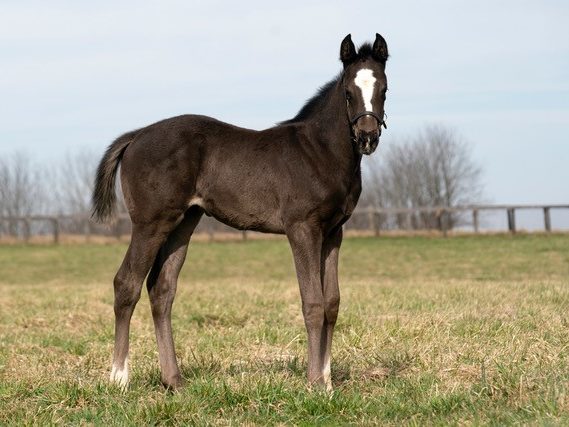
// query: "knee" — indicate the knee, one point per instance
point(331, 308)
point(127, 293)
point(314, 314)
point(161, 298)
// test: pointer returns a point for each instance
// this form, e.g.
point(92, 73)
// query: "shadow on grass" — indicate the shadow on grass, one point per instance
point(375, 367)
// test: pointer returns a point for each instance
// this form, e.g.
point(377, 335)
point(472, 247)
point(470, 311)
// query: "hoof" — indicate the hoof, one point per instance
point(173, 383)
point(320, 384)
point(119, 382)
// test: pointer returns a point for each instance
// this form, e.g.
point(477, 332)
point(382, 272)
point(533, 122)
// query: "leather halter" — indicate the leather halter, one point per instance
point(354, 119)
point(380, 121)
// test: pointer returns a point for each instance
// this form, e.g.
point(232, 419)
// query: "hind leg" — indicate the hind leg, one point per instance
point(161, 285)
point(144, 244)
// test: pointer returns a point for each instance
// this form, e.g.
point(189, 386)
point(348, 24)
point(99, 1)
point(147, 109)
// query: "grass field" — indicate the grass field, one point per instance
point(431, 331)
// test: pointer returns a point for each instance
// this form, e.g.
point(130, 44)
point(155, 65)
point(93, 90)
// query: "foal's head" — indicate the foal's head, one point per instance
point(365, 85)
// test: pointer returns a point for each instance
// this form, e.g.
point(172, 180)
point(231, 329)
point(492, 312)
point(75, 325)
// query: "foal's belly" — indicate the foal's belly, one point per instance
point(232, 212)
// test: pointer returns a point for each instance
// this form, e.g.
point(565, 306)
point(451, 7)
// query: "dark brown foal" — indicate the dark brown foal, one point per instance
point(301, 178)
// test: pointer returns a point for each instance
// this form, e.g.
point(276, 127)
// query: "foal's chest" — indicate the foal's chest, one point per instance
point(344, 209)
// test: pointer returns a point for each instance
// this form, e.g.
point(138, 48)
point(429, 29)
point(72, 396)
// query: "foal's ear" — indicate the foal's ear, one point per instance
point(379, 48)
point(347, 50)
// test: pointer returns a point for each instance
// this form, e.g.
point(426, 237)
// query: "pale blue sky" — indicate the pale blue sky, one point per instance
point(77, 74)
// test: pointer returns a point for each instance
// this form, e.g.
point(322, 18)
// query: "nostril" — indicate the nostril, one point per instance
point(368, 136)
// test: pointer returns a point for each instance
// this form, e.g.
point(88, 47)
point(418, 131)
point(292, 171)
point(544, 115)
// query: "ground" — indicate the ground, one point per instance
point(469, 329)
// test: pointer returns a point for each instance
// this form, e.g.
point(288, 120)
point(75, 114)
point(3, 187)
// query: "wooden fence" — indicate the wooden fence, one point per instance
point(370, 219)
point(443, 214)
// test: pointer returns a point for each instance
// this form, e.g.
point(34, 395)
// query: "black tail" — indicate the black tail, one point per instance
point(104, 194)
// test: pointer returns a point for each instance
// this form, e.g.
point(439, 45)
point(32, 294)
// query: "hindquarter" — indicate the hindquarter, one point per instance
point(159, 171)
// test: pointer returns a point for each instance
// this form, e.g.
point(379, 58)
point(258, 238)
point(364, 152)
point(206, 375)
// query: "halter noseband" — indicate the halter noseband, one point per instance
point(380, 121)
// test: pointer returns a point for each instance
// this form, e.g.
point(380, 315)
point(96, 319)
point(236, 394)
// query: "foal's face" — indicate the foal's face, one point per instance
point(365, 86)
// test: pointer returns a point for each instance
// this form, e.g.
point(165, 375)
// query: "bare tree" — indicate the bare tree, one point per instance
point(28, 188)
point(435, 168)
point(22, 191)
point(75, 176)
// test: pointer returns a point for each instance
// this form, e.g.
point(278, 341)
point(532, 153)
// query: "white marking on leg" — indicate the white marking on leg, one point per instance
point(196, 201)
point(366, 82)
point(326, 373)
point(119, 375)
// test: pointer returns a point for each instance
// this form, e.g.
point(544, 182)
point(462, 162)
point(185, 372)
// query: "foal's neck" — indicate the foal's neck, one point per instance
point(332, 127)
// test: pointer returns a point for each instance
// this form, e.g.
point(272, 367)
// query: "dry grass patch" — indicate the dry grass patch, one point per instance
point(436, 331)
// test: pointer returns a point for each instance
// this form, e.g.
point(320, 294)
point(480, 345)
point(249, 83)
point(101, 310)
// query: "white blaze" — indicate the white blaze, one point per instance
point(366, 82)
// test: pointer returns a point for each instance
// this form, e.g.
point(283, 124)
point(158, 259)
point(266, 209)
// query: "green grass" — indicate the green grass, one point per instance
point(465, 330)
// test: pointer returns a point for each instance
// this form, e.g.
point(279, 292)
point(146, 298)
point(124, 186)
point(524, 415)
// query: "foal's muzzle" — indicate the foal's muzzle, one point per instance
point(367, 130)
point(368, 141)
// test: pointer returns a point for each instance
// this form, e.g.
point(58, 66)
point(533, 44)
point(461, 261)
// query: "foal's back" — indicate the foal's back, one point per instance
point(225, 169)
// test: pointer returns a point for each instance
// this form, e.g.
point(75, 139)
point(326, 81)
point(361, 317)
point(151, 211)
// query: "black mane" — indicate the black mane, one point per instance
point(313, 104)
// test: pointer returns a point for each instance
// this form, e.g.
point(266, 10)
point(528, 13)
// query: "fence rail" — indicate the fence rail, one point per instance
point(442, 213)
point(370, 219)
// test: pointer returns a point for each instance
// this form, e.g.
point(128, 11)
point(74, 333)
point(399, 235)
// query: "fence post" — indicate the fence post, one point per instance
point(547, 219)
point(244, 234)
point(13, 227)
point(118, 229)
point(87, 230)
point(475, 220)
point(376, 223)
point(210, 232)
point(55, 222)
point(371, 222)
point(381, 219)
point(512, 220)
point(443, 221)
point(27, 230)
